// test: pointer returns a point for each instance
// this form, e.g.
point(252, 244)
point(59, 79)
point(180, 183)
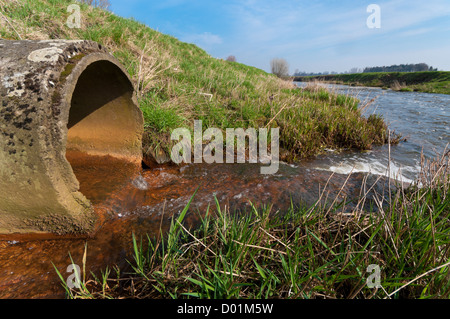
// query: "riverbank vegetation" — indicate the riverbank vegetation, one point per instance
point(177, 83)
point(322, 251)
point(427, 81)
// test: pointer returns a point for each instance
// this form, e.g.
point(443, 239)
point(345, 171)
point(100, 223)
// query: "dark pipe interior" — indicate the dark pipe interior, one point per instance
point(101, 83)
point(102, 118)
point(102, 126)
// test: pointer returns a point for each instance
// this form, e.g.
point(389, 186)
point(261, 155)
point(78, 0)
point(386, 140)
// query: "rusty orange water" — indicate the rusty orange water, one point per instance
point(143, 202)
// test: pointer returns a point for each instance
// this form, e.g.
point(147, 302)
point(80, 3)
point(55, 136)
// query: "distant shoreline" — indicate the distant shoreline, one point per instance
point(427, 81)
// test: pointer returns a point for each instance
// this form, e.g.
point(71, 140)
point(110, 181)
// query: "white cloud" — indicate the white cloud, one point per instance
point(416, 32)
point(204, 40)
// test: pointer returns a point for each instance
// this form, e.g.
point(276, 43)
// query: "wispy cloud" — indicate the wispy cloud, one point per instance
point(204, 40)
point(292, 28)
point(316, 24)
point(416, 32)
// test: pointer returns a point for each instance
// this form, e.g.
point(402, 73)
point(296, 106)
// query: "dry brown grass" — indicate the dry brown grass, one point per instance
point(397, 86)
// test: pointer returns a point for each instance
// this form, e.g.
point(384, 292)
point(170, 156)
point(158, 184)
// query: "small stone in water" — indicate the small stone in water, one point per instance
point(140, 183)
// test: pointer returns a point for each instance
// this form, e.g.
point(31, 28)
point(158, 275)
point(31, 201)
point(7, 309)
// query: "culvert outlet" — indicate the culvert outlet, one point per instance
point(59, 97)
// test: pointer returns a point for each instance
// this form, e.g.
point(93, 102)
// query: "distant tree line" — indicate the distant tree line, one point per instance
point(393, 68)
point(351, 71)
point(401, 68)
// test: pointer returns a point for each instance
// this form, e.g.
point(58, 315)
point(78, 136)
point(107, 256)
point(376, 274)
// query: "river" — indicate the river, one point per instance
point(422, 118)
point(144, 202)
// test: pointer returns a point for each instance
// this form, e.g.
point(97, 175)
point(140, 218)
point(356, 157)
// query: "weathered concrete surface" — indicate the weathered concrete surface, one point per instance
point(59, 97)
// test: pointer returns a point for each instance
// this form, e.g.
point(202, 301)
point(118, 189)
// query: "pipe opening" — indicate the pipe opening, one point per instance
point(102, 118)
point(103, 130)
point(74, 134)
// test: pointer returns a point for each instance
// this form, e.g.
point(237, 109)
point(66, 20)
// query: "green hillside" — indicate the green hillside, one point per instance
point(178, 83)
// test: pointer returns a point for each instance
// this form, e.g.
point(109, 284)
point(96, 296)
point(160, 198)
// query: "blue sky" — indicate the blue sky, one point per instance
point(313, 36)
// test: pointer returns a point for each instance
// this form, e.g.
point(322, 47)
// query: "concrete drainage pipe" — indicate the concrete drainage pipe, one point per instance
point(59, 97)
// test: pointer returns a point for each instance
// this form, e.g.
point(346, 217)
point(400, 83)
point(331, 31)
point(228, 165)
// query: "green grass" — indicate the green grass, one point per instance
point(428, 82)
point(311, 252)
point(172, 77)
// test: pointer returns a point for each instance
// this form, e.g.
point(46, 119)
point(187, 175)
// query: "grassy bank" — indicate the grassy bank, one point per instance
point(177, 83)
point(314, 252)
point(429, 82)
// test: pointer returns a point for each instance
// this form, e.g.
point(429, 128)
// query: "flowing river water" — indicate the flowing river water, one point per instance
point(143, 202)
point(422, 118)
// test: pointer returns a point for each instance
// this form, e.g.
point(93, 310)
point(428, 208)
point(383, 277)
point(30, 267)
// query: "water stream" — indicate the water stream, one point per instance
point(143, 202)
point(422, 118)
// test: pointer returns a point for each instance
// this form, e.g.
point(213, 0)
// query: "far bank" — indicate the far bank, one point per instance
point(427, 82)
